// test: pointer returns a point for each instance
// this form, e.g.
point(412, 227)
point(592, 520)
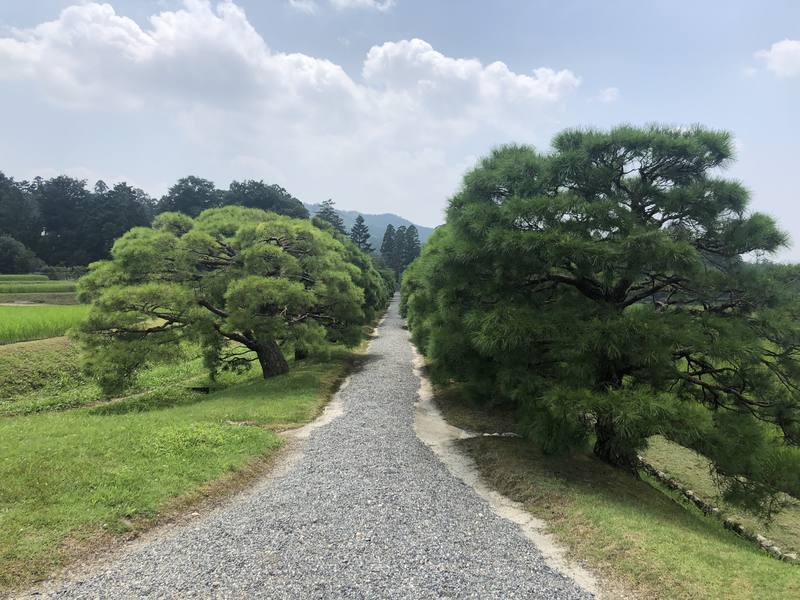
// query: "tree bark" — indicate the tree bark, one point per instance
point(271, 360)
point(610, 449)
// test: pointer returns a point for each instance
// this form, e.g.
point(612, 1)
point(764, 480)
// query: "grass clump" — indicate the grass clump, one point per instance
point(23, 323)
point(46, 375)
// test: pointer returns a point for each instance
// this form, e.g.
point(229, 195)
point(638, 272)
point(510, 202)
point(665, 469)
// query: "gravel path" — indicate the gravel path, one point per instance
point(366, 511)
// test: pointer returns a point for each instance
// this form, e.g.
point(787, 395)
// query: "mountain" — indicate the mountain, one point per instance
point(377, 223)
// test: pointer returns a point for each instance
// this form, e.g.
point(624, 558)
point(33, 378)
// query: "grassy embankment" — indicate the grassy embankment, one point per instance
point(636, 535)
point(78, 479)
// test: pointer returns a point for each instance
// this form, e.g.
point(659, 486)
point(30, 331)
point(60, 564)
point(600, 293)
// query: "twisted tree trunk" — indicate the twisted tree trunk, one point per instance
point(271, 360)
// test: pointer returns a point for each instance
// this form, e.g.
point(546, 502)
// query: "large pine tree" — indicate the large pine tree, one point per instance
point(605, 290)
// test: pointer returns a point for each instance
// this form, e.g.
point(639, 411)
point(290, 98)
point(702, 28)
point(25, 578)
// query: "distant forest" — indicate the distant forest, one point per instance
point(60, 222)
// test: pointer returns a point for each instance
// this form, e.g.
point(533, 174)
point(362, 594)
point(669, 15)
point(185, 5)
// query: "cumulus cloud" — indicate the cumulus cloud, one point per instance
point(782, 58)
point(400, 130)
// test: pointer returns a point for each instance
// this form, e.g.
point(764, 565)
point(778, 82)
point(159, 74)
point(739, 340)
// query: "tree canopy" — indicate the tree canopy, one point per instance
point(400, 247)
point(327, 213)
point(604, 290)
point(66, 224)
point(245, 284)
point(257, 194)
point(15, 257)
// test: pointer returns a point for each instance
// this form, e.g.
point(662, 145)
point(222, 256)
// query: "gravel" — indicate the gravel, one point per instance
point(366, 511)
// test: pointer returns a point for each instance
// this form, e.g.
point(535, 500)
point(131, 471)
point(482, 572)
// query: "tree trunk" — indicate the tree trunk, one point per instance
point(609, 448)
point(271, 360)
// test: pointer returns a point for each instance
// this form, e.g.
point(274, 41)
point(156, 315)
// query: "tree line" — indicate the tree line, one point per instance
point(59, 221)
point(604, 292)
point(399, 246)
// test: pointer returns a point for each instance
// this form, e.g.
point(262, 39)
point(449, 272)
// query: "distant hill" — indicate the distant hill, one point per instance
point(377, 223)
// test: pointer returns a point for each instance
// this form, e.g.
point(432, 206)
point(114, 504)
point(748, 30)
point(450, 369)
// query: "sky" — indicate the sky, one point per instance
point(383, 105)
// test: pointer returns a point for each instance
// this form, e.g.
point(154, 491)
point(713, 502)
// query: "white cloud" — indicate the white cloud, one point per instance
point(782, 58)
point(307, 6)
point(608, 95)
point(381, 5)
point(311, 7)
point(401, 130)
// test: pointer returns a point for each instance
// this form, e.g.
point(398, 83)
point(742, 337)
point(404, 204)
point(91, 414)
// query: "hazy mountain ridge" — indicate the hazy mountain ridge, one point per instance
point(377, 223)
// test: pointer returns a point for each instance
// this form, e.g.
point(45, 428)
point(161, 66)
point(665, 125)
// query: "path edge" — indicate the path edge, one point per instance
point(440, 436)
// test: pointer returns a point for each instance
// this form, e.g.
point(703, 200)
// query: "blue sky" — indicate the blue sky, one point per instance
point(383, 105)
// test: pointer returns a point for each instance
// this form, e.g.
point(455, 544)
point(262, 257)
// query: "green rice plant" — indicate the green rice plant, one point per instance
point(39, 298)
point(16, 287)
point(23, 323)
point(15, 278)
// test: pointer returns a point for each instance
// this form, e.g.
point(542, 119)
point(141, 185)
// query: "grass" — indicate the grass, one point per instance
point(23, 323)
point(694, 470)
point(70, 478)
point(19, 287)
point(28, 277)
point(45, 375)
point(636, 536)
point(39, 298)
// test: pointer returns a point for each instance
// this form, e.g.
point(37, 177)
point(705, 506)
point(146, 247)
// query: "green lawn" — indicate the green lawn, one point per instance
point(637, 537)
point(71, 477)
point(23, 323)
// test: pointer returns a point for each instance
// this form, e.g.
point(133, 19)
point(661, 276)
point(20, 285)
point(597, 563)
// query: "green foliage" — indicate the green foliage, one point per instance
point(602, 290)
point(400, 247)
point(16, 257)
point(327, 214)
point(245, 284)
point(257, 194)
point(190, 195)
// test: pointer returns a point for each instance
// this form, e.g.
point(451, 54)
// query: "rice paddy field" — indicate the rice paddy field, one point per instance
point(36, 289)
point(17, 278)
point(22, 287)
point(33, 322)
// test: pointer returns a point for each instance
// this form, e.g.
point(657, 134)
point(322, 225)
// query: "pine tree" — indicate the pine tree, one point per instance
point(387, 244)
point(328, 214)
point(604, 290)
point(360, 234)
point(411, 246)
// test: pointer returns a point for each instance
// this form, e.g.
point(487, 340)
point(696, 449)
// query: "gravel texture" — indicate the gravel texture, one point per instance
point(366, 511)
